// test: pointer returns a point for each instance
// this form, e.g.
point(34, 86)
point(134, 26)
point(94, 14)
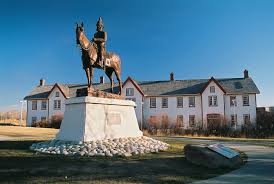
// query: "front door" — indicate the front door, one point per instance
point(213, 121)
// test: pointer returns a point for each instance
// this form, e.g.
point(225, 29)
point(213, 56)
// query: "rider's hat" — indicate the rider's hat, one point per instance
point(100, 22)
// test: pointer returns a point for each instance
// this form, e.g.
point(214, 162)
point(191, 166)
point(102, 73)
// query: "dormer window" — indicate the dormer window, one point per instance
point(129, 92)
point(212, 89)
point(57, 94)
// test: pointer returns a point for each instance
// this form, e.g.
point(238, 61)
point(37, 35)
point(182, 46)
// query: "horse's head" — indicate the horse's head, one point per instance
point(79, 32)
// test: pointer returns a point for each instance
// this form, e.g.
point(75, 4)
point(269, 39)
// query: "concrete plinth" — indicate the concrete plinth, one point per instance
point(92, 118)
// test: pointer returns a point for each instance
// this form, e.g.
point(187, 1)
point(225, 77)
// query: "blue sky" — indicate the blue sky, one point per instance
point(194, 39)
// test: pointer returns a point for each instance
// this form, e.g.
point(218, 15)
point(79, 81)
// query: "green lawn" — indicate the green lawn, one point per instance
point(20, 165)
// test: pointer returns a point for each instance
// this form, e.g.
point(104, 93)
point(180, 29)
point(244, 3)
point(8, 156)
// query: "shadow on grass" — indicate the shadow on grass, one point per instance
point(18, 164)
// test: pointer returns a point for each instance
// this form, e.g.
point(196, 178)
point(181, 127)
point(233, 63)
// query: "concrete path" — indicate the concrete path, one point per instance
point(258, 170)
point(6, 138)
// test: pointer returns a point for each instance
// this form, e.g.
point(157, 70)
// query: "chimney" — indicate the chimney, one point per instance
point(42, 82)
point(102, 80)
point(246, 74)
point(171, 76)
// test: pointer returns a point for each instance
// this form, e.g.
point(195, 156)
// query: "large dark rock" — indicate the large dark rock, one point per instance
point(201, 155)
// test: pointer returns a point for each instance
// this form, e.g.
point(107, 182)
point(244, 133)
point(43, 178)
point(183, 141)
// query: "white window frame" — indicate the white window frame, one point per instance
point(248, 118)
point(34, 105)
point(165, 102)
point(152, 102)
point(180, 120)
point(57, 94)
point(57, 104)
point(190, 122)
point(233, 120)
point(245, 100)
point(233, 102)
point(180, 102)
point(213, 101)
point(42, 107)
point(189, 101)
point(43, 118)
point(33, 119)
point(212, 89)
point(129, 91)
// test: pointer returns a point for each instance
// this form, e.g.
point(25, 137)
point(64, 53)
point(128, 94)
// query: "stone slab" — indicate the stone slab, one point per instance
point(201, 155)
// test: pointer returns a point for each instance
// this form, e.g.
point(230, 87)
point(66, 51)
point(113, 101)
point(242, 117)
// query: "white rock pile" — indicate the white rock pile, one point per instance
point(109, 147)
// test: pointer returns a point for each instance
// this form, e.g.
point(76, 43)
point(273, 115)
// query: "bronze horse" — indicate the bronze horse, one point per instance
point(89, 57)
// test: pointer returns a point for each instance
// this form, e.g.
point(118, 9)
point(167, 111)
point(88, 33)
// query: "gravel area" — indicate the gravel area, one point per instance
point(109, 147)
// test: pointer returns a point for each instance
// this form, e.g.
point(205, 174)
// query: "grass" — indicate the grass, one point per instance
point(28, 132)
point(19, 164)
point(263, 142)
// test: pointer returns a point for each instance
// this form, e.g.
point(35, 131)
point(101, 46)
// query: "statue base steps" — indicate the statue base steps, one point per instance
point(92, 118)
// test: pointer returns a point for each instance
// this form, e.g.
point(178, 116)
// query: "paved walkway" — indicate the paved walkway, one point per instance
point(6, 138)
point(258, 170)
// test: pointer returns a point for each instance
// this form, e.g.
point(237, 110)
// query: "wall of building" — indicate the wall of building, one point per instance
point(138, 100)
point(219, 109)
point(52, 97)
point(35, 113)
point(144, 112)
point(240, 110)
point(173, 111)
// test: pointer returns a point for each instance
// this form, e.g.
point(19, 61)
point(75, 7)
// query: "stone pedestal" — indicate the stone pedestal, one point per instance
point(92, 118)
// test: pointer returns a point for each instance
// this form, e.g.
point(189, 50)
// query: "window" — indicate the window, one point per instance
point(233, 120)
point(33, 119)
point(212, 89)
point(191, 101)
point(132, 99)
point(44, 105)
point(57, 94)
point(164, 102)
point(212, 101)
point(164, 121)
point(245, 100)
point(233, 101)
point(43, 119)
point(152, 102)
point(180, 102)
point(246, 119)
point(34, 105)
point(57, 104)
point(180, 121)
point(129, 91)
point(191, 120)
point(153, 120)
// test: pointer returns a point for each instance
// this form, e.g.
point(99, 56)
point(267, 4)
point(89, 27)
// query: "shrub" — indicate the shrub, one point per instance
point(56, 121)
point(41, 124)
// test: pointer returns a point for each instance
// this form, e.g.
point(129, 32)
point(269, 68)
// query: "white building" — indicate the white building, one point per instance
point(181, 103)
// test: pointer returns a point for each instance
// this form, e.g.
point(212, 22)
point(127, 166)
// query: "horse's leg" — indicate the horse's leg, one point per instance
point(109, 72)
point(88, 76)
point(91, 75)
point(118, 76)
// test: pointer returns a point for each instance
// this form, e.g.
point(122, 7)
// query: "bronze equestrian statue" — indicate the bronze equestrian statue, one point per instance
point(91, 58)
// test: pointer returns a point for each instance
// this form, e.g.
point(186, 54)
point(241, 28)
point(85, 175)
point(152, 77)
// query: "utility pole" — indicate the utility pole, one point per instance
point(21, 111)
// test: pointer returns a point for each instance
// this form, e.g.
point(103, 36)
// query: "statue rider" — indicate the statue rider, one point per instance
point(100, 38)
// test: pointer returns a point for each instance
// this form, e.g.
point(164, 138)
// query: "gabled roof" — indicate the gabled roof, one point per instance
point(215, 81)
point(68, 90)
point(157, 88)
point(63, 88)
point(196, 86)
point(135, 85)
